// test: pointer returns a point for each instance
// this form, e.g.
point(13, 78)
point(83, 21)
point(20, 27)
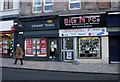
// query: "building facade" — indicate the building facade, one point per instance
point(82, 33)
point(38, 37)
point(9, 10)
point(113, 25)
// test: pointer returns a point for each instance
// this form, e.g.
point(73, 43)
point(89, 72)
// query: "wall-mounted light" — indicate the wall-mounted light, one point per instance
point(20, 25)
point(15, 23)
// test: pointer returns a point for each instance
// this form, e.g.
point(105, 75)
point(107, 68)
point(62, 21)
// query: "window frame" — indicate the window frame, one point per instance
point(36, 6)
point(100, 49)
point(8, 5)
point(52, 4)
point(36, 49)
point(72, 2)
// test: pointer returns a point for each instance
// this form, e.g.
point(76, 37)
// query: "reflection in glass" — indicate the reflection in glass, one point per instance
point(69, 43)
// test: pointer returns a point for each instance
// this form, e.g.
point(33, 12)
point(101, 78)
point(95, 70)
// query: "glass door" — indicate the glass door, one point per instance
point(67, 48)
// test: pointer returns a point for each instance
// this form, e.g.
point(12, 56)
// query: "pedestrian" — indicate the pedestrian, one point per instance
point(19, 54)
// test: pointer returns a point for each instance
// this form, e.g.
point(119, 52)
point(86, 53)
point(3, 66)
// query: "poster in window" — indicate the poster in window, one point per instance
point(0, 48)
point(38, 41)
point(34, 52)
point(29, 42)
point(34, 42)
point(29, 51)
point(43, 47)
point(28, 46)
point(69, 55)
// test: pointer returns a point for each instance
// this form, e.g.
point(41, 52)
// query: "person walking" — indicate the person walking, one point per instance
point(19, 54)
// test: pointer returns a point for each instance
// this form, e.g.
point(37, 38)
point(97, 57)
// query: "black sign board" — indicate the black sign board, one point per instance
point(44, 24)
point(68, 55)
point(82, 21)
point(113, 20)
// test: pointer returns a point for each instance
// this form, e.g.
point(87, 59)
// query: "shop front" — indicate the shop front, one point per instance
point(113, 27)
point(84, 38)
point(6, 38)
point(38, 37)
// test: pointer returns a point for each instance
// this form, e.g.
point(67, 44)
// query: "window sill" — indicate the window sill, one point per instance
point(89, 58)
point(8, 10)
point(75, 9)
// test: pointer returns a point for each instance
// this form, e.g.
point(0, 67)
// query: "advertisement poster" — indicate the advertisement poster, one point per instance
point(28, 46)
point(69, 55)
point(0, 48)
point(43, 47)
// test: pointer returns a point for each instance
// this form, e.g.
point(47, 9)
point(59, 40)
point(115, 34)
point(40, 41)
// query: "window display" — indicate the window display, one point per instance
point(89, 47)
point(35, 47)
point(6, 45)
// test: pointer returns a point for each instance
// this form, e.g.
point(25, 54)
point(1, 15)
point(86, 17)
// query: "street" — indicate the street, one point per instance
point(24, 74)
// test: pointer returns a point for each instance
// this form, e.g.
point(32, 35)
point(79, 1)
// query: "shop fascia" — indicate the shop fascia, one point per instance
point(85, 21)
point(83, 32)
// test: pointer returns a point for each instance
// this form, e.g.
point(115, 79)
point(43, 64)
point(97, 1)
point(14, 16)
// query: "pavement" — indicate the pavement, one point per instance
point(62, 66)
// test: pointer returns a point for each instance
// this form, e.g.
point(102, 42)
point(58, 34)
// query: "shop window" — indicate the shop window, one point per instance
point(36, 47)
point(6, 45)
point(8, 4)
point(48, 5)
point(89, 47)
point(74, 4)
point(37, 6)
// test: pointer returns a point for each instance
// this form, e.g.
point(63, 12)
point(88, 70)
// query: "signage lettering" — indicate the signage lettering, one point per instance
point(40, 25)
point(48, 23)
point(80, 21)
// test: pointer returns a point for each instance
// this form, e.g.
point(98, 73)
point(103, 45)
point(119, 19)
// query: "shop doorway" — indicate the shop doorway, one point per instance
point(114, 50)
point(53, 49)
point(68, 48)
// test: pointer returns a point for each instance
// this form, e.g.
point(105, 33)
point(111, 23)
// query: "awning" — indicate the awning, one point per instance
point(7, 32)
point(6, 27)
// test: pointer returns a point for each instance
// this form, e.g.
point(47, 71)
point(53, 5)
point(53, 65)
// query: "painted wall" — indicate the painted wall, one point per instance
point(105, 50)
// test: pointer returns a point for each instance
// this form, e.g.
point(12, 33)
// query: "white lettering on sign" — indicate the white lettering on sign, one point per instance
point(40, 25)
point(95, 19)
point(49, 25)
point(43, 25)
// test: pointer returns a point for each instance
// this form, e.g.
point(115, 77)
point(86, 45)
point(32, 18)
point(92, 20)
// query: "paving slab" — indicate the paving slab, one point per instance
point(62, 66)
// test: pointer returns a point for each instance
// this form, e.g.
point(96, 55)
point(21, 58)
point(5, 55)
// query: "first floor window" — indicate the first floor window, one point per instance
point(8, 4)
point(36, 47)
point(89, 47)
point(37, 5)
point(74, 4)
point(48, 5)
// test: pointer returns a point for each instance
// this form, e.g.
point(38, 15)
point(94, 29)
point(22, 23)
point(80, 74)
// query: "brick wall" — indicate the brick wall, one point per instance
point(62, 8)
